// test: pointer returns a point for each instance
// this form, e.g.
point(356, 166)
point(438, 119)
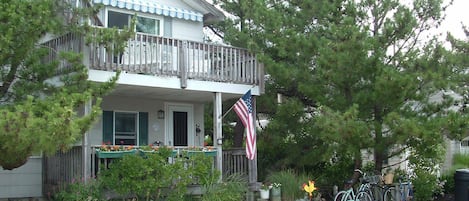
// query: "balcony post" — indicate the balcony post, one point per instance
point(183, 64)
point(85, 147)
point(217, 131)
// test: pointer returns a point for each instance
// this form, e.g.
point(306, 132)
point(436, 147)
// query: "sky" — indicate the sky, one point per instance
point(457, 13)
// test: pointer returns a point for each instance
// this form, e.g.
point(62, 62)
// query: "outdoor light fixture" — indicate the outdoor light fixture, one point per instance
point(197, 129)
point(160, 114)
point(220, 141)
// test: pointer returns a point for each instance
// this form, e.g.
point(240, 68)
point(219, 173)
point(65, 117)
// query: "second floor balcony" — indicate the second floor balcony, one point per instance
point(161, 56)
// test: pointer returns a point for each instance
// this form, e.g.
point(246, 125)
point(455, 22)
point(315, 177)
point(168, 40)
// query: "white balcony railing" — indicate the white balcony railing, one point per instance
point(161, 56)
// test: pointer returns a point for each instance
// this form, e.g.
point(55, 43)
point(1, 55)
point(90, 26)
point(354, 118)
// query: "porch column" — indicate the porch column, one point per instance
point(85, 147)
point(217, 130)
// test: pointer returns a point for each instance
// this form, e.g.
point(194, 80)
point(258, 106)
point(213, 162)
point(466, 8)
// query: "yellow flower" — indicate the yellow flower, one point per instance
point(309, 188)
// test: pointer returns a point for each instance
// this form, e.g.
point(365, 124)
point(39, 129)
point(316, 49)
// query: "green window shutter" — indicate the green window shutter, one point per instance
point(108, 126)
point(143, 128)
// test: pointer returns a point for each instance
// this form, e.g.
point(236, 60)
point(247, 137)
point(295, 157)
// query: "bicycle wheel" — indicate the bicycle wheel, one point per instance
point(390, 194)
point(343, 196)
point(364, 196)
point(339, 196)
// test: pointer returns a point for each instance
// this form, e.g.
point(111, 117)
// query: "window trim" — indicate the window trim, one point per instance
point(145, 15)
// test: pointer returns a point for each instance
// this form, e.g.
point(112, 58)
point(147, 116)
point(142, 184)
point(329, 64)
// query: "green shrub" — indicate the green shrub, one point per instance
point(461, 160)
point(291, 183)
point(80, 191)
point(153, 177)
point(425, 185)
point(448, 182)
point(233, 188)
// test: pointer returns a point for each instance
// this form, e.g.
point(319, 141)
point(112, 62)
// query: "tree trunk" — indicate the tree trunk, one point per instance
point(357, 165)
point(238, 134)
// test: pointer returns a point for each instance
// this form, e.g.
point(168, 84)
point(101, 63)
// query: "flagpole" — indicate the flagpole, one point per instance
point(223, 116)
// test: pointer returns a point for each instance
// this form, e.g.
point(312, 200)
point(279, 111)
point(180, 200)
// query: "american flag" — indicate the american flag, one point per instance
point(243, 107)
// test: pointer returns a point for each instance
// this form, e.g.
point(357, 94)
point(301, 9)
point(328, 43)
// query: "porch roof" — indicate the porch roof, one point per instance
point(150, 6)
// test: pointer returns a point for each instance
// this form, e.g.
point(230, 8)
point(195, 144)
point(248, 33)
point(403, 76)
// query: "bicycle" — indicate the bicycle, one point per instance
point(404, 192)
point(363, 192)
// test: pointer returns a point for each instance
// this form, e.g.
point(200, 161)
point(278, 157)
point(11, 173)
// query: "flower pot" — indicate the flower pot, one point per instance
point(276, 194)
point(264, 193)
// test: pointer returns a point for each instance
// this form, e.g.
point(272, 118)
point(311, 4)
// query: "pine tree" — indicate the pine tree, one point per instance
point(355, 75)
point(41, 105)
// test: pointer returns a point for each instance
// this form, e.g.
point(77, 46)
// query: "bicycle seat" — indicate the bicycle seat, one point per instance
point(349, 181)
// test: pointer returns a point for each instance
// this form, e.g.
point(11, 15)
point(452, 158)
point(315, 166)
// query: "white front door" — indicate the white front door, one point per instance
point(179, 123)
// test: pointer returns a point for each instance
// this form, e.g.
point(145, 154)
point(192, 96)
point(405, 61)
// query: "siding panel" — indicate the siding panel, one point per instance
point(25, 181)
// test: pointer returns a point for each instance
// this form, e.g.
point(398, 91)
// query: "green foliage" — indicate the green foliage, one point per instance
point(233, 188)
point(154, 177)
point(80, 191)
point(291, 183)
point(425, 185)
point(447, 179)
point(41, 99)
point(461, 160)
point(352, 78)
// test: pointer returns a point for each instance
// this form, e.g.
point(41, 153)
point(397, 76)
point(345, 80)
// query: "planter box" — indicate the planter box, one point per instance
point(207, 153)
point(113, 154)
point(143, 153)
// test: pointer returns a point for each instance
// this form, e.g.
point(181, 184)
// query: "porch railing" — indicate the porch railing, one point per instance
point(162, 56)
point(61, 169)
point(235, 162)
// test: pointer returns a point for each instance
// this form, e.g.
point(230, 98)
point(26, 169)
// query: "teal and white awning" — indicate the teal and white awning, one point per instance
point(150, 6)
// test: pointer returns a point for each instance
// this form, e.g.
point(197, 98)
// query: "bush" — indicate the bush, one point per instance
point(233, 188)
point(152, 177)
point(461, 160)
point(291, 183)
point(79, 191)
point(425, 185)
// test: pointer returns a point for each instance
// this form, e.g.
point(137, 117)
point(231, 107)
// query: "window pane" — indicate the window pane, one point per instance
point(125, 128)
point(147, 25)
point(119, 20)
point(126, 122)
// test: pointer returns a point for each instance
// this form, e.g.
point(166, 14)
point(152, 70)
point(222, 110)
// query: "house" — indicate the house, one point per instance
point(168, 74)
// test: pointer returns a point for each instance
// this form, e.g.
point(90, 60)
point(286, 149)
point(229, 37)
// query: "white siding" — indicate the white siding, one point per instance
point(25, 181)
point(156, 126)
point(187, 30)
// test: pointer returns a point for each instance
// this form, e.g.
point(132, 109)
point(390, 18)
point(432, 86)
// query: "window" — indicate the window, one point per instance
point(143, 24)
point(125, 129)
point(147, 25)
point(465, 143)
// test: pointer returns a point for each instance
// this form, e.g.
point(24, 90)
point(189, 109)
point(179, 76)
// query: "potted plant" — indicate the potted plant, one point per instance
point(265, 191)
point(276, 191)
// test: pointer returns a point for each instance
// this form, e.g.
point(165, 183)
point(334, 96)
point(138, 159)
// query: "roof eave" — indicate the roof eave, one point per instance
point(211, 13)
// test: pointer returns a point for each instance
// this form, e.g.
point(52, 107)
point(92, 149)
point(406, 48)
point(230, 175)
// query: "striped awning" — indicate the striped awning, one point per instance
point(150, 6)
